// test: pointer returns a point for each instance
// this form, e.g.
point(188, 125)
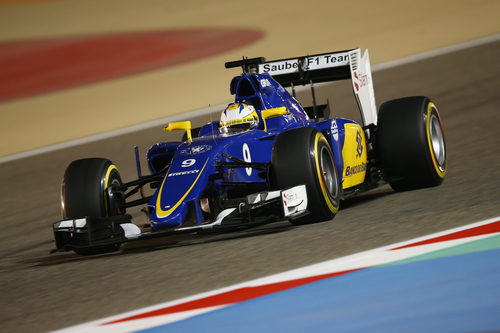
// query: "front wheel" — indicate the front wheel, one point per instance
point(84, 193)
point(303, 156)
point(84, 190)
point(410, 143)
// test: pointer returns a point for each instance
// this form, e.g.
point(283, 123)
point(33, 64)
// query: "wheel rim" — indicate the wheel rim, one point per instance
point(437, 140)
point(328, 173)
point(112, 178)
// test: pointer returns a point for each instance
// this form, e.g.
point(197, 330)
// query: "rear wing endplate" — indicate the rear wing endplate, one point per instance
point(328, 67)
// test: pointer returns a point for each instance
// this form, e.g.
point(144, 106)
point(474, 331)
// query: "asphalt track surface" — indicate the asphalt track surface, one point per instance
point(43, 292)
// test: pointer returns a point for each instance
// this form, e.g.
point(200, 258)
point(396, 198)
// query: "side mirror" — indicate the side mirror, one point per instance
point(269, 113)
point(180, 125)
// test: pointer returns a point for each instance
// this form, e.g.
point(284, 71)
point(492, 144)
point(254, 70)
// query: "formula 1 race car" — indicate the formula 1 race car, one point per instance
point(267, 159)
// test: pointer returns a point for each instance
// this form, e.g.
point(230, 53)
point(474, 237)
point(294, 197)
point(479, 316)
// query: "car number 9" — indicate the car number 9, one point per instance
point(187, 163)
point(247, 158)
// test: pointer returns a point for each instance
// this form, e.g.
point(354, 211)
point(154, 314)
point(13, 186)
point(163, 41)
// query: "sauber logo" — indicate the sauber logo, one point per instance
point(360, 80)
point(359, 140)
point(305, 63)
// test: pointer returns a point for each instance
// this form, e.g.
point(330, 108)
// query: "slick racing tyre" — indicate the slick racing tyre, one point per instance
point(303, 156)
point(84, 190)
point(410, 143)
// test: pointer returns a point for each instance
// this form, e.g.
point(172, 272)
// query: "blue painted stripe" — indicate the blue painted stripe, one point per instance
point(448, 294)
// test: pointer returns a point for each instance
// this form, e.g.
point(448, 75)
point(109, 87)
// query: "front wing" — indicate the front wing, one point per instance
point(91, 233)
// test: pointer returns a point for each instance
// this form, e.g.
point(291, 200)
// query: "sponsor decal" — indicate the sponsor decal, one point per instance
point(183, 173)
point(360, 80)
point(280, 66)
point(289, 197)
point(350, 171)
point(265, 83)
point(359, 140)
point(196, 150)
point(307, 63)
point(354, 154)
point(334, 129)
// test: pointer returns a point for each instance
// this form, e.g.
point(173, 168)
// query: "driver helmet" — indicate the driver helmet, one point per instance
point(237, 118)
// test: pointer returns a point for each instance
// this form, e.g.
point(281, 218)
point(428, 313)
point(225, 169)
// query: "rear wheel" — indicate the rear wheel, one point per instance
point(410, 143)
point(303, 156)
point(84, 192)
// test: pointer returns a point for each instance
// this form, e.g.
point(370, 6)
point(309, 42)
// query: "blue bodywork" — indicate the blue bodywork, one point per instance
point(195, 176)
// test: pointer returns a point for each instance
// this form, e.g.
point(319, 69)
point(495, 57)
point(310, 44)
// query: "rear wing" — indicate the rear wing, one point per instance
point(328, 67)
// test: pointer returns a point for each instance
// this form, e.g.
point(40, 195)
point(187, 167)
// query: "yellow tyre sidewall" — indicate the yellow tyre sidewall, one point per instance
point(332, 206)
point(440, 170)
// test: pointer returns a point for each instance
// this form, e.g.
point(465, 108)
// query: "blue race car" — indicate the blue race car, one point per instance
point(267, 159)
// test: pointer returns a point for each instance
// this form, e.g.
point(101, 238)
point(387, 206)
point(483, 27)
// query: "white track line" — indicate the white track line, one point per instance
point(370, 258)
point(204, 111)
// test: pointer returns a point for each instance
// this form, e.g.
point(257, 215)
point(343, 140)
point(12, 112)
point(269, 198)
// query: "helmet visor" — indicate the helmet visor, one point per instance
point(235, 126)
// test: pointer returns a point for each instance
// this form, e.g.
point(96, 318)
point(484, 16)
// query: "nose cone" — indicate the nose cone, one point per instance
point(184, 182)
point(174, 219)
